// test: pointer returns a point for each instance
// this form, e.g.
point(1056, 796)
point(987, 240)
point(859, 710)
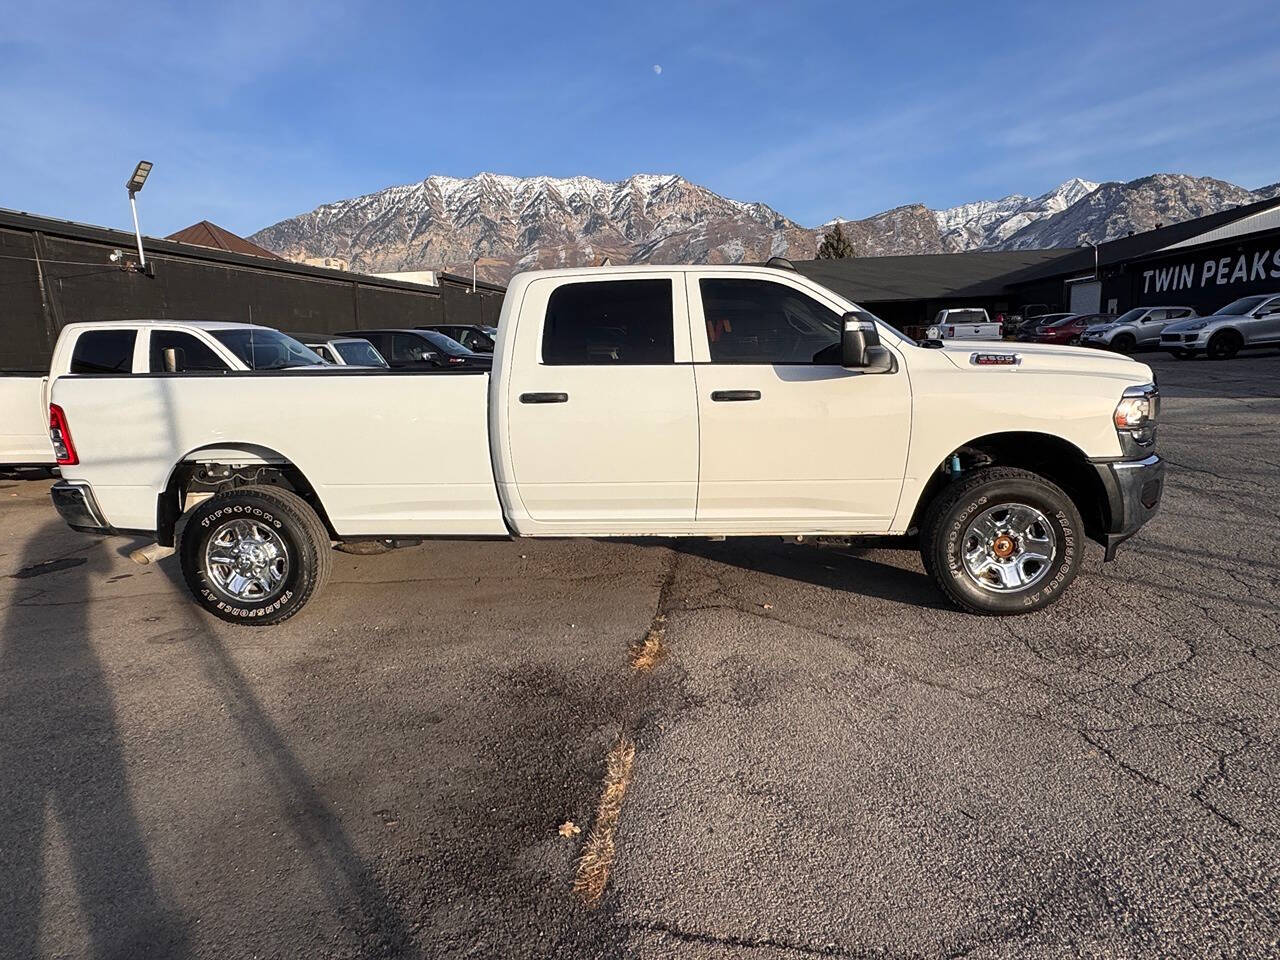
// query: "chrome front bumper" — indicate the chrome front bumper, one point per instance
point(1133, 488)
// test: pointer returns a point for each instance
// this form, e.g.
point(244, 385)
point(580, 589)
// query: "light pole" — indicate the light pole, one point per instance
point(1095, 257)
point(133, 185)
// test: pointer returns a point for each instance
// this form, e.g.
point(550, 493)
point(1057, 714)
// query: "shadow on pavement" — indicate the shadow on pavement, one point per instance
point(62, 757)
point(851, 569)
point(350, 886)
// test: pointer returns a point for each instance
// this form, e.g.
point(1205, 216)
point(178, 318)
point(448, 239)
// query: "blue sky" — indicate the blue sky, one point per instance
point(253, 112)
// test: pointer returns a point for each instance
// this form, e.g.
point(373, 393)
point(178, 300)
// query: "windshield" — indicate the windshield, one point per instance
point(1129, 316)
point(261, 348)
point(1243, 305)
point(359, 353)
point(1070, 318)
point(445, 344)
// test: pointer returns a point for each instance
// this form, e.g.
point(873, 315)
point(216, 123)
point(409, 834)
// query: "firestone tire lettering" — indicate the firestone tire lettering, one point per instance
point(304, 535)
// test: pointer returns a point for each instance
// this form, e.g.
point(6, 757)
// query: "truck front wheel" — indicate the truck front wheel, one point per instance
point(1002, 541)
point(254, 554)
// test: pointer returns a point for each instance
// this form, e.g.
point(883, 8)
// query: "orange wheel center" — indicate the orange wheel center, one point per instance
point(1003, 546)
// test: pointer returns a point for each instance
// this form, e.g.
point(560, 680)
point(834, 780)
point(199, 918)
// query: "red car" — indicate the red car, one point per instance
point(1065, 329)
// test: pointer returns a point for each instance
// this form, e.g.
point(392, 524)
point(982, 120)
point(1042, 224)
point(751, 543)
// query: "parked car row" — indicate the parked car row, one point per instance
point(1243, 324)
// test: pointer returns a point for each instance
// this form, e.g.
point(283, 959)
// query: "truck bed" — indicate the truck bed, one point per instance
point(387, 453)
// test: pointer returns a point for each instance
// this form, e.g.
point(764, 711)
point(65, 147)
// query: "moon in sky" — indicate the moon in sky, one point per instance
point(657, 68)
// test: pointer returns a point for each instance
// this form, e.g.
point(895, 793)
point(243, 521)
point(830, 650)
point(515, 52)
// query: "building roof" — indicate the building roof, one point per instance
point(929, 276)
point(71, 230)
point(1080, 259)
point(206, 234)
point(1263, 220)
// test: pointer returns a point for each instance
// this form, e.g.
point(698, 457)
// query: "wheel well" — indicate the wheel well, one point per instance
point(1053, 458)
point(209, 477)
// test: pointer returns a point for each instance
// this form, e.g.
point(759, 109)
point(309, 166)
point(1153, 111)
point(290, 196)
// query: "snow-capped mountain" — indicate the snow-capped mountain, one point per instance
point(1116, 209)
point(989, 223)
point(512, 223)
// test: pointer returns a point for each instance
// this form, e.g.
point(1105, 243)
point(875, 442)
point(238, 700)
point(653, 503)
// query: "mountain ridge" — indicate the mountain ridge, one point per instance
point(509, 223)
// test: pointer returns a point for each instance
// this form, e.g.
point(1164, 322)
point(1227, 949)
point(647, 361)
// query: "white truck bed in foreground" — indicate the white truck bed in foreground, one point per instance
point(387, 454)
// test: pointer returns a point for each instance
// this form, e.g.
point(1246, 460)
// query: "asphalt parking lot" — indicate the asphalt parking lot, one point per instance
point(828, 761)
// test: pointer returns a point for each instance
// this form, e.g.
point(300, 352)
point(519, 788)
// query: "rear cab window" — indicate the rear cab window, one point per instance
point(609, 323)
point(104, 352)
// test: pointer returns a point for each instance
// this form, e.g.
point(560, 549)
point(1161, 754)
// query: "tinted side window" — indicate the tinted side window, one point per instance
point(758, 321)
point(609, 322)
point(195, 354)
point(407, 348)
point(104, 351)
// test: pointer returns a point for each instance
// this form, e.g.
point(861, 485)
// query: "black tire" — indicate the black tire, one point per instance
point(1123, 343)
point(947, 520)
point(1184, 354)
point(291, 521)
point(1224, 345)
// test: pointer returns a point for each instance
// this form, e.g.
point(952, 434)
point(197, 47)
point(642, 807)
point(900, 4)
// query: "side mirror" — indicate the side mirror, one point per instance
point(175, 360)
point(857, 336)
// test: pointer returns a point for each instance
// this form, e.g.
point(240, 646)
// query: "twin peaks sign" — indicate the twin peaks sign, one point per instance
point(1227, 272)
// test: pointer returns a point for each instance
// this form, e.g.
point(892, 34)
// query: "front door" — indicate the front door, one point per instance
point(603, 419)
point(787, 433)
point(1266, 328)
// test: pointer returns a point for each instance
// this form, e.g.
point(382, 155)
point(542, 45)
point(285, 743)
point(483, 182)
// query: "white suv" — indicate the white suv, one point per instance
point(1139, 327)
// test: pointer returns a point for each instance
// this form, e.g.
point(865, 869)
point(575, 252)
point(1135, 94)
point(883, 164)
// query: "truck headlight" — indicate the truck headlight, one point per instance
point(1136, 413)
point(1195, 325)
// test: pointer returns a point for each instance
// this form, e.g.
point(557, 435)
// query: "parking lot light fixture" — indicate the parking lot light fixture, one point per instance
point(133, 185)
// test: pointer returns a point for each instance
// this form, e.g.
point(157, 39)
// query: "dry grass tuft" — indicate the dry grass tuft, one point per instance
point(648, 652)
point(597, 855)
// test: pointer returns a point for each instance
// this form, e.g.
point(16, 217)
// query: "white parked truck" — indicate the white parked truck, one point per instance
point(705, 401)
point(131, 347)
point(965, 323)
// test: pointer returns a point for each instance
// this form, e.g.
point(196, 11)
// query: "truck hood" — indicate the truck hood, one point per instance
point(1050, 358)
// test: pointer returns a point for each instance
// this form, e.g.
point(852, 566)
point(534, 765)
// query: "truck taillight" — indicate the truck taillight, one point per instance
point(951, 331)
point(64, 451)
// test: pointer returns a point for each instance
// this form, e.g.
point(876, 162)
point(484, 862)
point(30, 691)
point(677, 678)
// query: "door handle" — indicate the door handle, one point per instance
point(544, 398)
point(723, 396)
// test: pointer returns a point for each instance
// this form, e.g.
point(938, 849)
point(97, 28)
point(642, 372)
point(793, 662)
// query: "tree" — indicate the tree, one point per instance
point(835, 245)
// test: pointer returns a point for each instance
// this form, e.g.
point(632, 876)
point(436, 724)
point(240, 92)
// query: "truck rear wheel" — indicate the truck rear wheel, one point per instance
point(255, 554)
point(1002, 541)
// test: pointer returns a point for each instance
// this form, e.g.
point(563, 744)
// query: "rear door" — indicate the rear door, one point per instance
point(602, 416)
point(787, 433)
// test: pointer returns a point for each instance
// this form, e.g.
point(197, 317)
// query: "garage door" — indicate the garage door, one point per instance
point(1086, 297)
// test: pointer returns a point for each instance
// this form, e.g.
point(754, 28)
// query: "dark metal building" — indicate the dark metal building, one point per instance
point(908, 291)
point(54, 272)
point(1203, 263)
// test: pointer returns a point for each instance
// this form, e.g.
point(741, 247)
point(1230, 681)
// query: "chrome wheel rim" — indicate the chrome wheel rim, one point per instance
point(247, 561)
point(1009, 547)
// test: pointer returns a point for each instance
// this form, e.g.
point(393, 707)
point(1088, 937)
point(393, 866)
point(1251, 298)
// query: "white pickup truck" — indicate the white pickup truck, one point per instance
point(704, 401)
point(119, 347)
